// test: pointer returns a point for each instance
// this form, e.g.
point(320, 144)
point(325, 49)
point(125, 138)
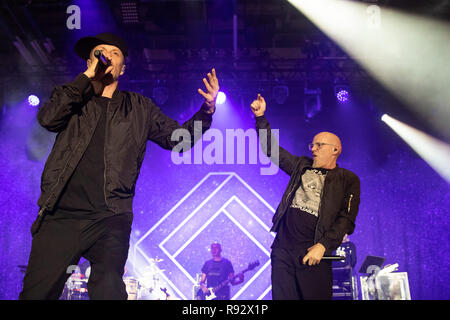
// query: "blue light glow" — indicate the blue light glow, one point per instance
point(33, 100)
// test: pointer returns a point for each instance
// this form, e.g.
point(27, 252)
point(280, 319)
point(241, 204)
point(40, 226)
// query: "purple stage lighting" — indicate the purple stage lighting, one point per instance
point(342, 96)
point(33, 100)
point(221, 98)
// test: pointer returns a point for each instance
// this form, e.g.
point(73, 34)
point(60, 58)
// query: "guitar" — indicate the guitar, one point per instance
point(212, 291)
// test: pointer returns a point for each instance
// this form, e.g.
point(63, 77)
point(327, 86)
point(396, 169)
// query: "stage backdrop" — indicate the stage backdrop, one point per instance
point(179, 210)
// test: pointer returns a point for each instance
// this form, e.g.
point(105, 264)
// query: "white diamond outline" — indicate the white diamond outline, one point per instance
point(230, 175)
point(136, 248)
point(213, 217)
point(222, 209)
point(256, 275)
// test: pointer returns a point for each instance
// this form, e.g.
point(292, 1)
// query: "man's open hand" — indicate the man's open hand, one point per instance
point(212, 89)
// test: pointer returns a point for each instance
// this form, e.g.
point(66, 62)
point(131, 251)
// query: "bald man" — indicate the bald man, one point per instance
point(318, 208)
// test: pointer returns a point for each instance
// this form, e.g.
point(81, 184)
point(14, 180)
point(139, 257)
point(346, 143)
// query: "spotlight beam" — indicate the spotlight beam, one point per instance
point(408, 54)
point(435, 152)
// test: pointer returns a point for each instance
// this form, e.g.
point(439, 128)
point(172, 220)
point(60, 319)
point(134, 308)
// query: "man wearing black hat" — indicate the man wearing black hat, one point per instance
point(89, 178)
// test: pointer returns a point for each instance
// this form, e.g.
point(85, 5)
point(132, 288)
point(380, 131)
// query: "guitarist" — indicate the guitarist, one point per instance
point(217, 270)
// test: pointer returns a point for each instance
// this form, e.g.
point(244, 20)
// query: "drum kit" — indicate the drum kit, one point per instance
point(75, 287)
point(147, 287)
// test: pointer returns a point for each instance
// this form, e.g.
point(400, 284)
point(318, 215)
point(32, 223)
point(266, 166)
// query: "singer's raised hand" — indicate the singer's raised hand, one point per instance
point(97, 70)
point(212, 89)
point(258, 106)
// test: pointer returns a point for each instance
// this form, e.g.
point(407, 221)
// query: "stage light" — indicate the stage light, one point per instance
point(33, 100)
point(343, 96)
point(311, 103)
point(433, 151)
point(129, 12)
point(221, 98)
point(280, 93)
point(403, 51)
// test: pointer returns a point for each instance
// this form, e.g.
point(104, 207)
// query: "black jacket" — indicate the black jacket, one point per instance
point(339, 200)
point(132, 119)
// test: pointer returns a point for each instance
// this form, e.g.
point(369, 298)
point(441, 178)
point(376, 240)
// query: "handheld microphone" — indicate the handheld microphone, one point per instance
point(99, 55)
point(333, 258)
point(330, 258)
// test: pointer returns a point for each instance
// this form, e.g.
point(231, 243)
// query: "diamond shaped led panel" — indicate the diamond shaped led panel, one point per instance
point(222, 207)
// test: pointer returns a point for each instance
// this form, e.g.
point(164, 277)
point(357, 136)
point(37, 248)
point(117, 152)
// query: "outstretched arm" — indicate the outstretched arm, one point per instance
point(287, 161)
point(162, 126)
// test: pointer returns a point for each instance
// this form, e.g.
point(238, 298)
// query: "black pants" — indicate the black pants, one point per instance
point(291, 280)
point(62, 242)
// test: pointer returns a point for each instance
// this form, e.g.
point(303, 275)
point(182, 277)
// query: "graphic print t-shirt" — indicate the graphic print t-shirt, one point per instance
point(299, 222)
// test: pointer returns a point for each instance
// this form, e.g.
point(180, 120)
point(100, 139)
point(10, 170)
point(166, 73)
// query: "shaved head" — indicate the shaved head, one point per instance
point(326, 149)
point(328, 137)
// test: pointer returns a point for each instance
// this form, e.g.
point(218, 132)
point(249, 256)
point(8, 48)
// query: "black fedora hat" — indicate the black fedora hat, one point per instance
point(84, 46)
